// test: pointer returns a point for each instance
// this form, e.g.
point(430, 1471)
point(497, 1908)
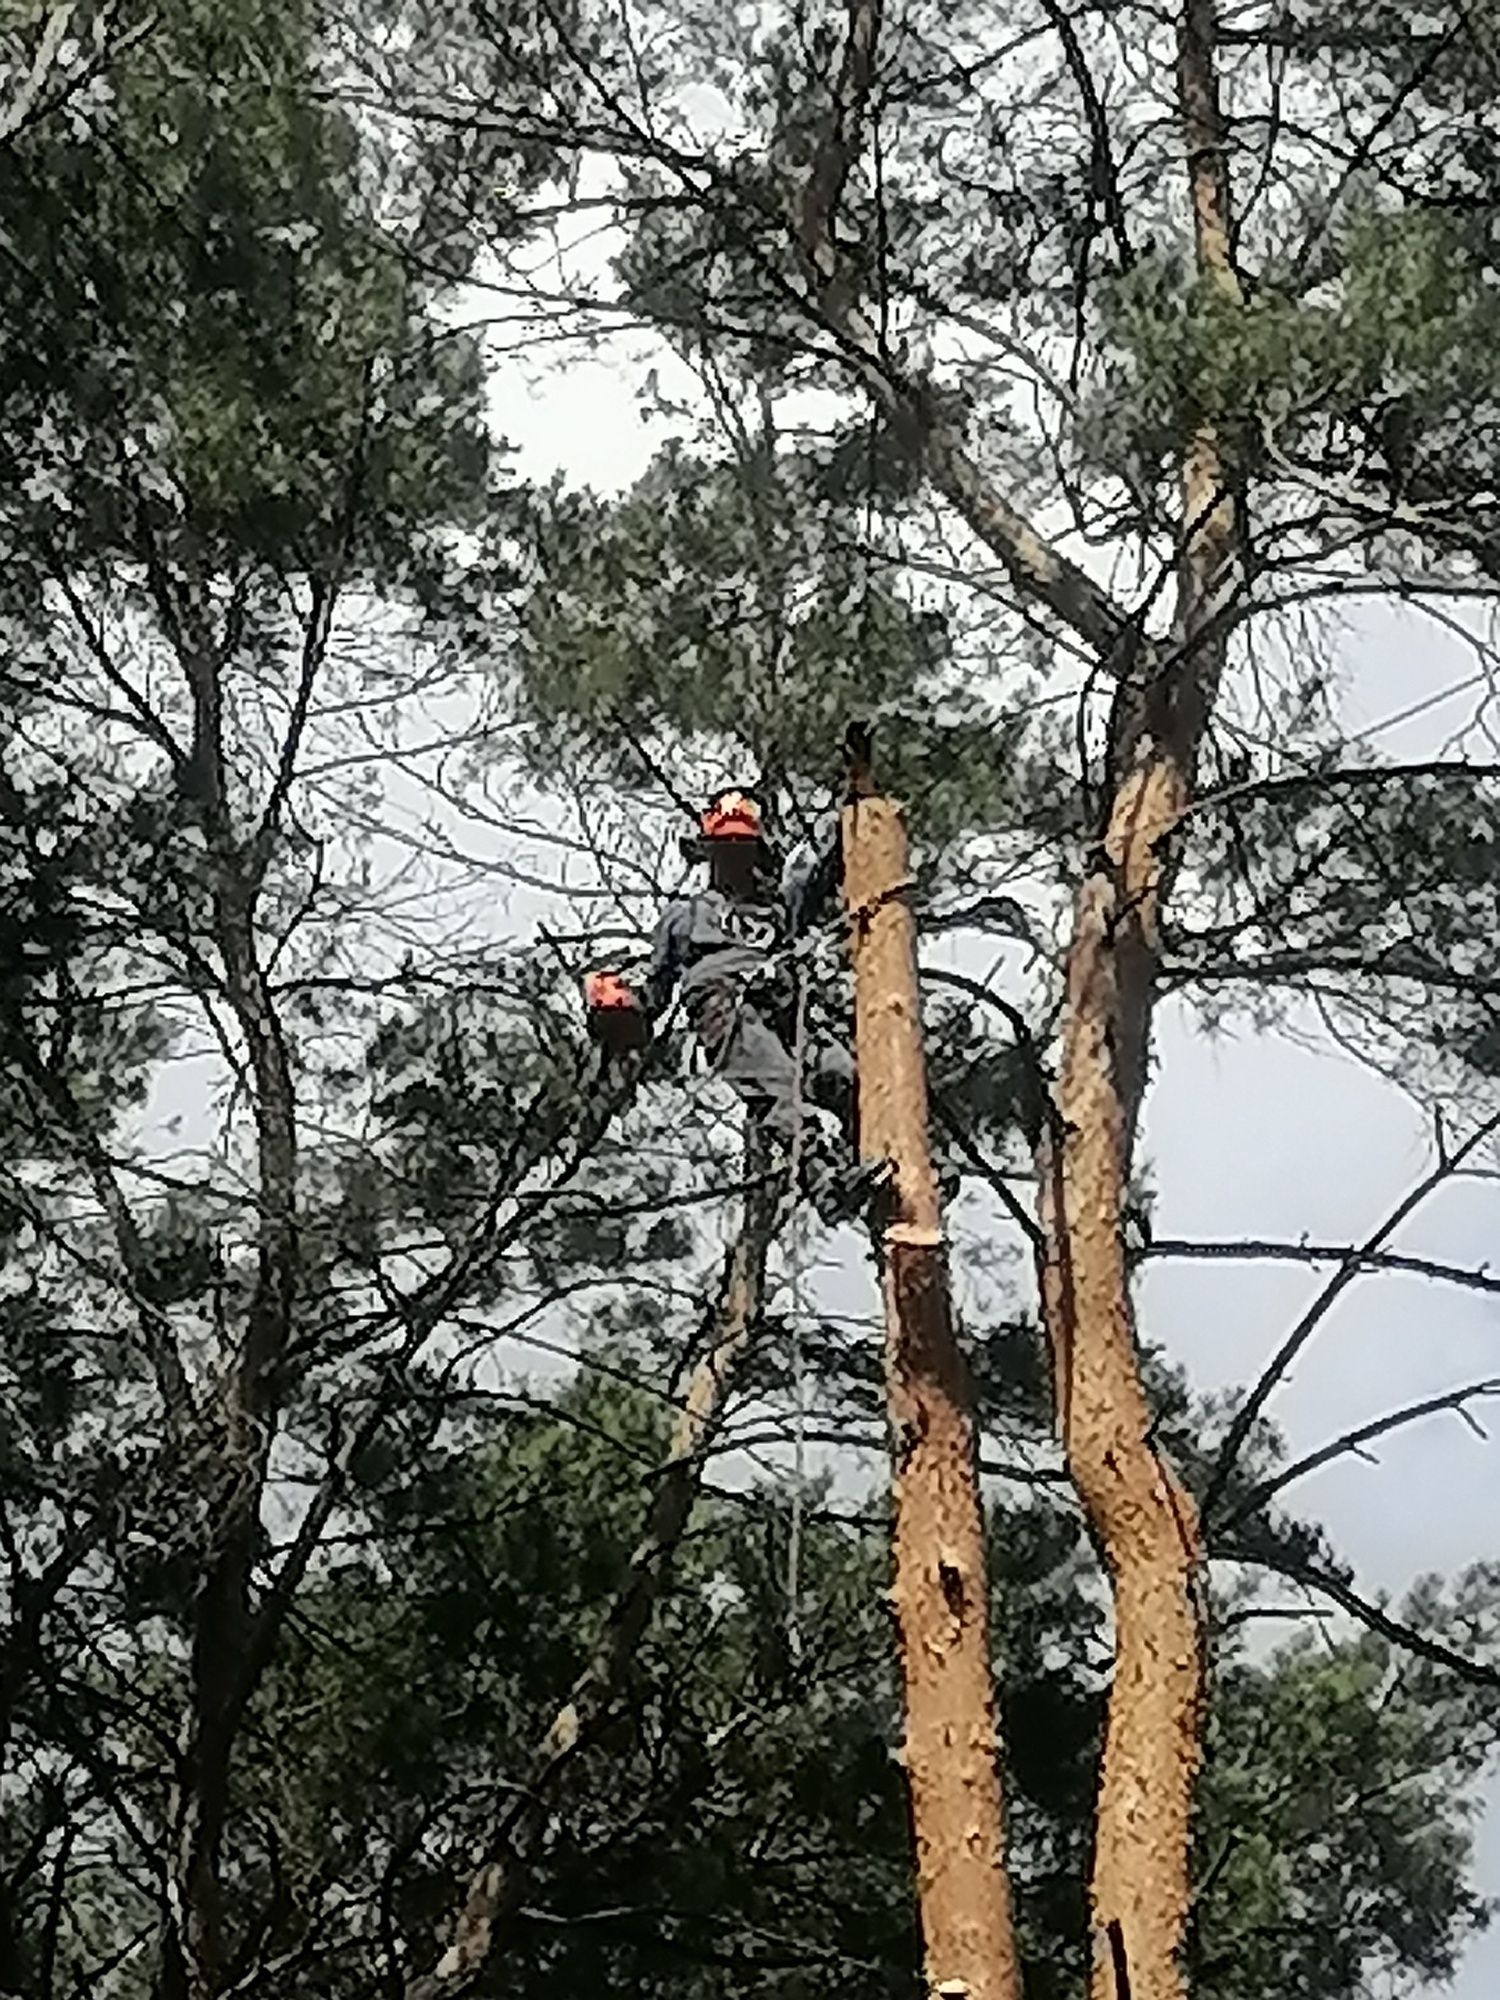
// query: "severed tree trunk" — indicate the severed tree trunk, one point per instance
point(939, 1593)
point(1145, 1522)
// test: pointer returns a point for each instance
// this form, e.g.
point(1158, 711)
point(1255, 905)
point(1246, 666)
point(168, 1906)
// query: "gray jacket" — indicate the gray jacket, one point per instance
point(711, 940)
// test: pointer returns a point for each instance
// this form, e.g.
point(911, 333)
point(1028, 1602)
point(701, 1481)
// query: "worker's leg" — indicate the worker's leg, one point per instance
point(745, 1050)
point(742, 1048)
point(831, 1085)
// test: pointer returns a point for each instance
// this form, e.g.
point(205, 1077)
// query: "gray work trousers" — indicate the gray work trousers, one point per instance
point(742, 1047)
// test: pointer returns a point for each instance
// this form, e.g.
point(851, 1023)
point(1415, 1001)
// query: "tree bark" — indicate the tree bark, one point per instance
point(1145, 1522)
point(939, 1593)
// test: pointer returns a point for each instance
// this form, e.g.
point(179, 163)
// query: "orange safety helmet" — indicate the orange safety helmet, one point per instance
point(731, 815)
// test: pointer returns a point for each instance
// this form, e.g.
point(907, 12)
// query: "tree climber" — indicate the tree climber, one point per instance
point(726, 946)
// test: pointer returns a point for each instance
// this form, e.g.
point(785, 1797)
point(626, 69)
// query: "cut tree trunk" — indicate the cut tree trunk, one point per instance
point(939, 1593)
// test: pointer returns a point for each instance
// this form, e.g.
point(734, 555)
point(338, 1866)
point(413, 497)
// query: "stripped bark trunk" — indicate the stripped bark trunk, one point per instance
point(496, 1887)
point(939, 1593)
point(1145, 1522)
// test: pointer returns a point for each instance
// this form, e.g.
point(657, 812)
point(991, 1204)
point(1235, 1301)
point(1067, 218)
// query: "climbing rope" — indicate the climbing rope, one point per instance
point(796, 1257)
point(790, 1201)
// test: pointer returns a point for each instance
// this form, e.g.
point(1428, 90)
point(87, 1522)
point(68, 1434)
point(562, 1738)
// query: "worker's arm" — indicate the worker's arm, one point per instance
point(810, 875)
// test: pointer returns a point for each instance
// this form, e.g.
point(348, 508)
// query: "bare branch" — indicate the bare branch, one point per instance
point(325, 596)
point(1354, 1440)
point(1104, 175)
point(1255, 1250)
point(1281, 967)
point(1239, 1430)
point(157, 1332)
point(1322, 1581)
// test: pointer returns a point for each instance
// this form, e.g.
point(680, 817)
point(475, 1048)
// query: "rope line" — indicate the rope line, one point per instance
point(796, 1259)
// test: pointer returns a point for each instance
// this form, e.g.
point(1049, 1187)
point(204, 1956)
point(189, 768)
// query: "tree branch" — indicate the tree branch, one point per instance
point(1255, 1250)
point(1447, 1165)
point(1360, 778)
point(1038, 570)
point(1274, 968)
point(1313, 1577)
point(1353, 1441)
point(1103, 172)
point(18, 113)
point(497, 1885)
point(325, 596)
point(157, 1332)
point(843, 134)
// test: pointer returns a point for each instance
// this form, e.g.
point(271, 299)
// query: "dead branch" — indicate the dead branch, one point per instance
point(1254, 1250)
point(1239, 1430)
point(1354, 1441)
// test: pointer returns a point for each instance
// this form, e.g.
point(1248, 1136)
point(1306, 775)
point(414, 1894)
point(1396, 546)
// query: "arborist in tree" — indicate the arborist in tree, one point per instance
point(727, 947)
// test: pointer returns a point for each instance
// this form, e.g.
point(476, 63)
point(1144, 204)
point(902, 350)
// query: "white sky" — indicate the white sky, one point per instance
point(1248, 1136)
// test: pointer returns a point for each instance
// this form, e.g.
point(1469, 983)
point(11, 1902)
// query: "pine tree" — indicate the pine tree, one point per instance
point(297, 1571)
point(1264, 386)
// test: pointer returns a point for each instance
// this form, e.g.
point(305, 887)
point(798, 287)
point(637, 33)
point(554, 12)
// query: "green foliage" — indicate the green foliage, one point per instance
point(1356, 1739)
point(208, 332)
point(715, 598)
point(728, 616)
point(746, 1818)
point(1408, 341)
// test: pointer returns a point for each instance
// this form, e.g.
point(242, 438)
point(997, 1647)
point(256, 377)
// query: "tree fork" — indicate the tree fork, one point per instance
point(939, 1592)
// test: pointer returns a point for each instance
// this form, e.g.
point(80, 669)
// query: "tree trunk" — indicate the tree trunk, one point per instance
point(1145, 1522)
point(497, 1886)
point(237, 1448)
point(952, 1747)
